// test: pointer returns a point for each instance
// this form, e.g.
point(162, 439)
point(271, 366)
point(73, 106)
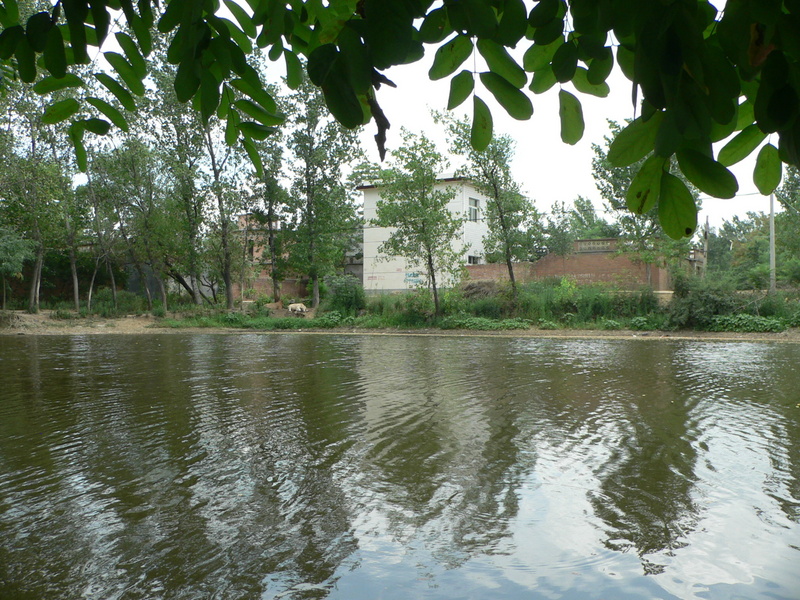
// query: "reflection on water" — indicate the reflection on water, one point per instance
point(294, 466)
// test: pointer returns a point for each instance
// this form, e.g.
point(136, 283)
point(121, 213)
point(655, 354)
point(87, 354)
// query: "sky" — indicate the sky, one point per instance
point(548, 169)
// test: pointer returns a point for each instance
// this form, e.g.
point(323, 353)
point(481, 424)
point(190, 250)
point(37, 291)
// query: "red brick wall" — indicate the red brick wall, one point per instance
point(599, 267)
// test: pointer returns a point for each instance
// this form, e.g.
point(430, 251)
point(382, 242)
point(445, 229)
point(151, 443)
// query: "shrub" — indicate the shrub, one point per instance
point(345, 294)
point(696, 302)
point(747, 323)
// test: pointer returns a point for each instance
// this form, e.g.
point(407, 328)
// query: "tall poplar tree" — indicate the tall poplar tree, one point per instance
point(323, 213)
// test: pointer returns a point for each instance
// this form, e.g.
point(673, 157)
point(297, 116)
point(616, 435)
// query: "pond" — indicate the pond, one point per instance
point(299, 466)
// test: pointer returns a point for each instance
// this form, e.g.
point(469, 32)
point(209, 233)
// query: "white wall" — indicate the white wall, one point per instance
point(397, 274)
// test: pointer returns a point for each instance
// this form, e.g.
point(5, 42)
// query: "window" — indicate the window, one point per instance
point(473, 260)
point(474, 205)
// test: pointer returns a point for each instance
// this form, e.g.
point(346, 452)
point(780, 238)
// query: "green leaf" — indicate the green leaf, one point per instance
point(677, 212)
point(109, 112)
point(255, 158)
point(768, 171)
point(341, 98)
point(96, 126)
point(186, 81)
point(120, 93)
point(238, 36)
point(543, 13)
point(142, 31)
point(55, 57)
point(132, 52)
point(500, 62)
point(742, 145)
point(256, 130)
point(513, 23)
point(126, 72)
point(707, 175)
point(542, 81)
point(571, 114)
point(260, 95)
point(241, 16)
point(294, 70)
point(581, 82)
point(9, 39)
point(461, 86)
point(481, 132)
point(565, 61)
point(600, 68)
point(320, 63)
point(516, 103)
point(76, 135)
point(36, 30)
point(259, 114)
point(101, 20)
point(231, 128)
point(635, 141)
point(450, 56)
point(51, 84)
point(26, 61)
point(11, 13)
point(538, 57)
point(435, 27)
point(645, 188)
point(209, 95)
point(60, 111)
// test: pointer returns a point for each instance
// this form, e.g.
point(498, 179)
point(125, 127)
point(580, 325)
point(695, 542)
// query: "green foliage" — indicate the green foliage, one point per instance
point(415, 205)
point(695, 302)
point(464, 321)
point(668, 49)
point(747, 323)
point(345, 295)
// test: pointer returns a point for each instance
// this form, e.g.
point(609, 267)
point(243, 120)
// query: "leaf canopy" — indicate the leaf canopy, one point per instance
point(699, 75)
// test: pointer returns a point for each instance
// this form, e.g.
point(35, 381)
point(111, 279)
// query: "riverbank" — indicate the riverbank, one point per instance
point(23, 323)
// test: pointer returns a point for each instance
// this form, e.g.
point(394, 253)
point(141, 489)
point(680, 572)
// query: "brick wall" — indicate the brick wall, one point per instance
point(585, 267)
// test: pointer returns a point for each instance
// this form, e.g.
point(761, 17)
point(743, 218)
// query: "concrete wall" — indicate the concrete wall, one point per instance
point(384, 274)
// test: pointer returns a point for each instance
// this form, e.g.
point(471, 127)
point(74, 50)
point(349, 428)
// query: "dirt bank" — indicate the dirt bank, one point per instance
point(22, 323)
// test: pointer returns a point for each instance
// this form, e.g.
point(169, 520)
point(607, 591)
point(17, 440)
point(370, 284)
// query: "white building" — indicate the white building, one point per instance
point(396, 273)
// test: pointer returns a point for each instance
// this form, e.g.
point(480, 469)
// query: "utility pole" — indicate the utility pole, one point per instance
point(772, 279)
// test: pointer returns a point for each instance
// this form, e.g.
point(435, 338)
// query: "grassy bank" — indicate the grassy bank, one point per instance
point(549, 305)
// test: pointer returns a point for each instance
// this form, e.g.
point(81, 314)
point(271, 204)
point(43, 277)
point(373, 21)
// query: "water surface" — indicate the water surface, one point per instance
point(355, 467)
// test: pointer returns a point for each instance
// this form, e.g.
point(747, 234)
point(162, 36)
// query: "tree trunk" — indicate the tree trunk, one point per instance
point(432, 274)
point(510, 265)
point(163, 289)
point(91, 285)
point(73, 265)
point(113, 283)
point(315, 290)
point(3, 281)
point(36, 279)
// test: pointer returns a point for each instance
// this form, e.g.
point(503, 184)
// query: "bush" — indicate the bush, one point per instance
point(464, 321)
point(696, 302)
point(747, 323)
point(345, 294)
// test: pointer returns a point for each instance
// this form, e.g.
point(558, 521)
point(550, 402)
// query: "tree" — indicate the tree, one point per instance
point(699, 75)
point(512, 219)
point(324, 224)
point(586, 224)
point(14, 251)
point(411, 202)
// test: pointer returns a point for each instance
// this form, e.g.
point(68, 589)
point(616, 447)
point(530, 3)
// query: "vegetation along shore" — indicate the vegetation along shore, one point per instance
point(555, 309)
